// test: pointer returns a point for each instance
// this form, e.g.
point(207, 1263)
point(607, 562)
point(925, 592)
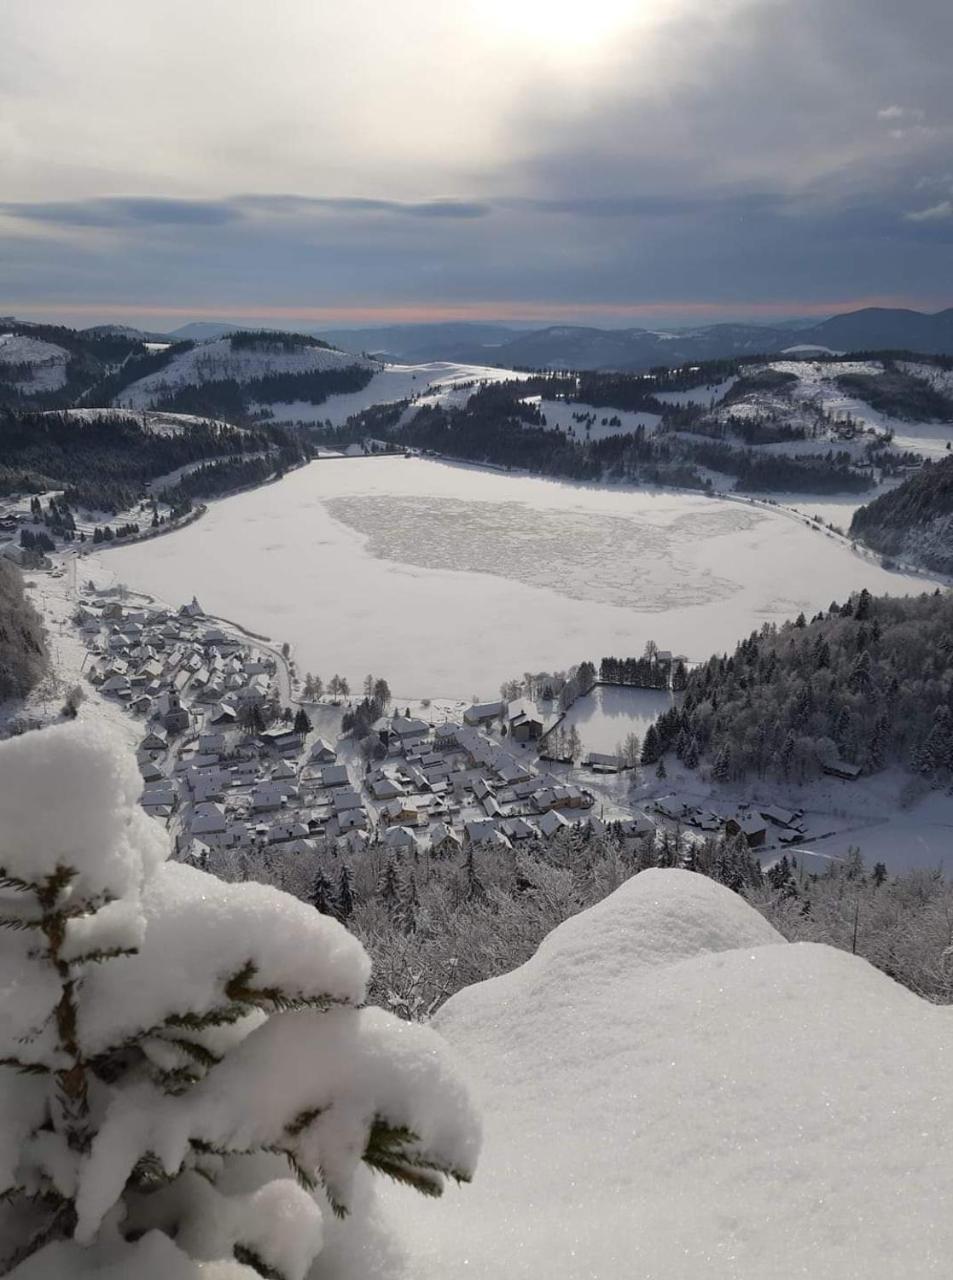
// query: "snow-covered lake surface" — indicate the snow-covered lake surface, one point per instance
point(448, 579)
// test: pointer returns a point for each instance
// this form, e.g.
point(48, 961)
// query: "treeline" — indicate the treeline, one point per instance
point(216, 478)
point(228, 398)
point(92, 357)
point(496, 426)
point(104, 463)
point(915, 517)
point(647, 672)
point(23, 654)
point(139, 364)
point(899, 394)
point(869, 682)
point(274, 341)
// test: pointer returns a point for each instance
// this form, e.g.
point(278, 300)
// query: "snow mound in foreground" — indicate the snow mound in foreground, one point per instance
point(672, 1091)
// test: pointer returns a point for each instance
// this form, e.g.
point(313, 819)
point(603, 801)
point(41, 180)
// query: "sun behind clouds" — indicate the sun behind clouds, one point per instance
point(561, 28)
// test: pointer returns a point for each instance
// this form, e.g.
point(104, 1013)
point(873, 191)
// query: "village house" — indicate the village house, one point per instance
point(752, 828)
point(552, 822)
point(334, 775)
point(444, 840)
point(525, 722)
point(601, 763)
point(483, 713)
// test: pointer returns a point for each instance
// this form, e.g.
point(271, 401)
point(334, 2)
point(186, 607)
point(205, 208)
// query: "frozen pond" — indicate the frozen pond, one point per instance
point(606, 716)
point(448, 579)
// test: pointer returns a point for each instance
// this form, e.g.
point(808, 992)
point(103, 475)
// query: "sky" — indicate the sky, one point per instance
point(352, 162)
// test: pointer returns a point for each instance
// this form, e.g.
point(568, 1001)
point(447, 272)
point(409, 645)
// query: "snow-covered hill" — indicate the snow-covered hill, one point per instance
point(671, 1091)
point(32, 365)
point(218, 360)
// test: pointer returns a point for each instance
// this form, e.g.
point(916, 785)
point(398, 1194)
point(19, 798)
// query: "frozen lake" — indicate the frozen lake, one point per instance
point(447, 579)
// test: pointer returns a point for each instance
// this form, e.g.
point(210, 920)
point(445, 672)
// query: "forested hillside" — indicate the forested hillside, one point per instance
point(23, 656)
point(240, 376)
point(914, 520)
point(104, 463)
point(868, 682)
point(506, 424)
point(51, 366)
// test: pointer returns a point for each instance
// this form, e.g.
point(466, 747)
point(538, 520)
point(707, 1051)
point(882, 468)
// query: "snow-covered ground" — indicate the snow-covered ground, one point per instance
point(607, 715)
point(560, 414)
point(671, 1091)
point(817, 385)
point(47, 361)
point(449, 579)
point(213, 360)
point(704, 396)
point(439, 382)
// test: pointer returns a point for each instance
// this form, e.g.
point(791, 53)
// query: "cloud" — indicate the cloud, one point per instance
point(942, 212)
point(158, 211)
point(441, 207)
point(119, 211)
point(900, 113)
point(724, 152)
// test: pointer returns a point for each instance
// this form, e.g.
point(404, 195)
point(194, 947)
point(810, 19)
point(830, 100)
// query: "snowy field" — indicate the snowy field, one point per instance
point(671, 1091)
point(605, 716)
point(439, 382)
point(560, 414)
point(448, 580)
point(704, 396)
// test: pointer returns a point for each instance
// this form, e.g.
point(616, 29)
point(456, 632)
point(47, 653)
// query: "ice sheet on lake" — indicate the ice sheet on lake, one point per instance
point(611, 559)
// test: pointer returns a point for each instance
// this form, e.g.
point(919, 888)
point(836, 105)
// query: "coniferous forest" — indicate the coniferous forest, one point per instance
point(869, 682)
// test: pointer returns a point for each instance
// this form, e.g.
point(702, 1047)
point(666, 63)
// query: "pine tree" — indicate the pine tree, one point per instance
point(661, 771)
point(721, 768)
point(322, 895)
point(166, 1026)
point(651, 748)
point(474, 890)
point(345, 898)
point(388, 886)
point(302, 724)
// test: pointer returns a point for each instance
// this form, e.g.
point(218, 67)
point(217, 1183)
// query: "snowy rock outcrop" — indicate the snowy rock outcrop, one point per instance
point(189, 1085)
point(672, 1091)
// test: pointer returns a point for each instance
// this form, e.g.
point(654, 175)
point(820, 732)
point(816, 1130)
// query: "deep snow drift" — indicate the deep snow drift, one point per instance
point(450, 579)
point(671, 1091)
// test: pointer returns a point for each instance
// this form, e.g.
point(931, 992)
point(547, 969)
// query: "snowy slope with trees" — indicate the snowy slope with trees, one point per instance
point(241, 362)
point(32, 365)
point(187, 1076)
point(672, 1091)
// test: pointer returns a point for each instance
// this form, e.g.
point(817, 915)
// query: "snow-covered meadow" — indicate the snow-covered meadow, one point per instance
point(449, 579)
point(437, 383)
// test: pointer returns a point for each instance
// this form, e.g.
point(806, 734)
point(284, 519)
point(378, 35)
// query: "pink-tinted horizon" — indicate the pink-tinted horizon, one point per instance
point(150, 315)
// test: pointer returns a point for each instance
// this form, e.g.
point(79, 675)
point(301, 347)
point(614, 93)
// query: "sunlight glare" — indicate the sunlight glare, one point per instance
point(562, 26)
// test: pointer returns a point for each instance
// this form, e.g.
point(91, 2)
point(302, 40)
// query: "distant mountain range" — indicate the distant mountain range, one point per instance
point(581, 347)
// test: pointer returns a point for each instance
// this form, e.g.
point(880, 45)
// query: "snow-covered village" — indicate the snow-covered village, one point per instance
point(476, 640)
